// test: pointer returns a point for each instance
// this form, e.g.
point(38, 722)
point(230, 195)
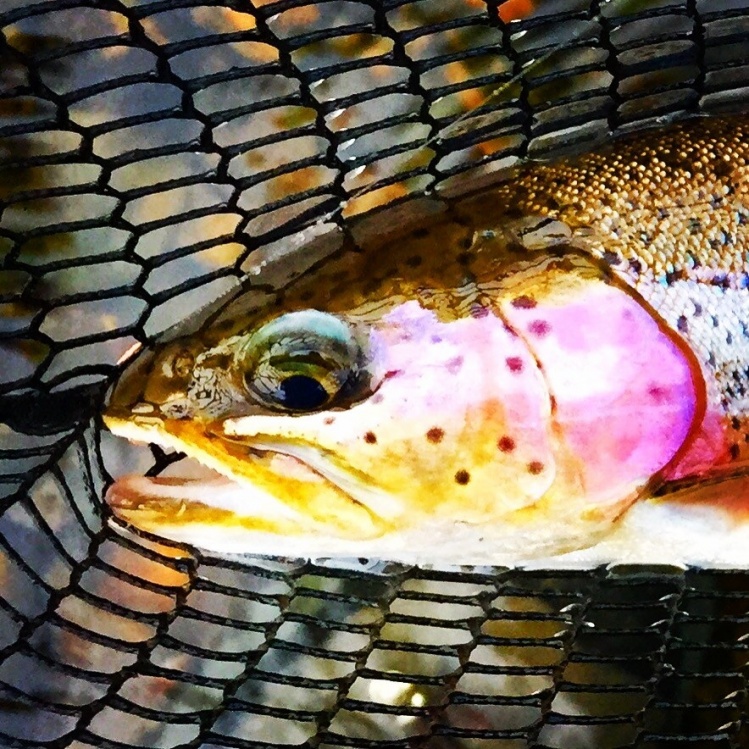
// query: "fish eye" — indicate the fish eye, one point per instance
point(301, 361)
point(303, 393)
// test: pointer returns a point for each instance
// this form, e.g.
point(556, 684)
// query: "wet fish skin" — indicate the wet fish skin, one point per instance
point(654, 227)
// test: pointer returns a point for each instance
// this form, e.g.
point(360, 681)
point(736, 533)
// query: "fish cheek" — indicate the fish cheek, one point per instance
point(626, 391)
point(459, 424)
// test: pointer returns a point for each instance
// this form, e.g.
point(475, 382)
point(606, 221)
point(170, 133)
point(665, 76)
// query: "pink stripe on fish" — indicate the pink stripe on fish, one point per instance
point(627, 395)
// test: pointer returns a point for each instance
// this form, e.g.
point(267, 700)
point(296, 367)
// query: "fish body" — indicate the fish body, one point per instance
point(514, 379)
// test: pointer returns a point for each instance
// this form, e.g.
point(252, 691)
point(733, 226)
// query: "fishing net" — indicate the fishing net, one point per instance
point(155, 154)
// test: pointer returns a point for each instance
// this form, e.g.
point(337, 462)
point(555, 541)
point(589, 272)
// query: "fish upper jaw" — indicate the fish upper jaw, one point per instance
point(381, 503)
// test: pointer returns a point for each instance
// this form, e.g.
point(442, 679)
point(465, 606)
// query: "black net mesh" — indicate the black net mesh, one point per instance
point(151, 155)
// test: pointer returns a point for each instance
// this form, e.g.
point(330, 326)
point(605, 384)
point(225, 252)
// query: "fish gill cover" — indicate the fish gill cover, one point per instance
point(155, 154)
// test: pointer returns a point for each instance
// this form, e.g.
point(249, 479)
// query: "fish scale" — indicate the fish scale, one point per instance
point(668, 210)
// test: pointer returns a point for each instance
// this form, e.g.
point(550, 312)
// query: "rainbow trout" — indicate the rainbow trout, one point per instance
point(555, 366)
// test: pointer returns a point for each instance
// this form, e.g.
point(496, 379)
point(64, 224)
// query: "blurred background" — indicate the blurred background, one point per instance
point(161, 157)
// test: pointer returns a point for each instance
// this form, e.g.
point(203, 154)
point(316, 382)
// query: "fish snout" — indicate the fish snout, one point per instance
point(156, 384)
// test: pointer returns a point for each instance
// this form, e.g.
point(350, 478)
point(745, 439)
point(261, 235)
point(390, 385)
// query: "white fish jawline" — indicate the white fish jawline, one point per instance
point(638, 539)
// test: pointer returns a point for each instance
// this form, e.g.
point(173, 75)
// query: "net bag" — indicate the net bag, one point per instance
point(152, 155)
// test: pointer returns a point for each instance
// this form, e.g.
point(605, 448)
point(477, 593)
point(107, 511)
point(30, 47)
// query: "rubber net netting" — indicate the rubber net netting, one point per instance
point(151, 153)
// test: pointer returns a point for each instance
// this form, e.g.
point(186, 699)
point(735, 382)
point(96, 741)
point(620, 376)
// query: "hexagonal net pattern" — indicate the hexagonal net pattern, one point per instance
point(151, 152)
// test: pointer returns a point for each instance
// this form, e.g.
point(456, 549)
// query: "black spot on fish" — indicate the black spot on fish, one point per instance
point(736, 423)
point(734, 451)
point(611, 258)
point(435, 434)
point(514, 363)
point(478, 311)
point(552, 203)
point(636, 266)
point(535, 467)
point(465, 258)
point(462, 477)
point(218, 361)
point(524, 302)
point(370, 438)
point(420, 233)
point(514, 211)
point(506, 444)
point(539, 328)
point(454, 365)
point(414, 261)
point(694, 226)
point(697, 309)
point(372, 285)
point(656, 393)
point(723, 168)
point(681, 324)
point(729, 338)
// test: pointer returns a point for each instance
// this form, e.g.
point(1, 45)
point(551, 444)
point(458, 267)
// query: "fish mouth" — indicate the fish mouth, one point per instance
point(193, 493)
point(264, 486)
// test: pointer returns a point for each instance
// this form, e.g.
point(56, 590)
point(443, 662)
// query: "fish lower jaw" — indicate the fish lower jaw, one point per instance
point(171, 494)
point(213, 512)
point(432, 542)
point(194, 508)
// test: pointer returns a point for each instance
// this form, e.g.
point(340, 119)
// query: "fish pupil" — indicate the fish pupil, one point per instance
point(302, 393)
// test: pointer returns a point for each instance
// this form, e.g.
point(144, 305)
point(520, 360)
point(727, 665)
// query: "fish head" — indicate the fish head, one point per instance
point(357, 422)
point(509, 404)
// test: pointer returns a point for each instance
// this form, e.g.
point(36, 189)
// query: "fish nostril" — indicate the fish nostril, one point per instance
point(183, 363)
point(168, 374)
point(175, 362)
